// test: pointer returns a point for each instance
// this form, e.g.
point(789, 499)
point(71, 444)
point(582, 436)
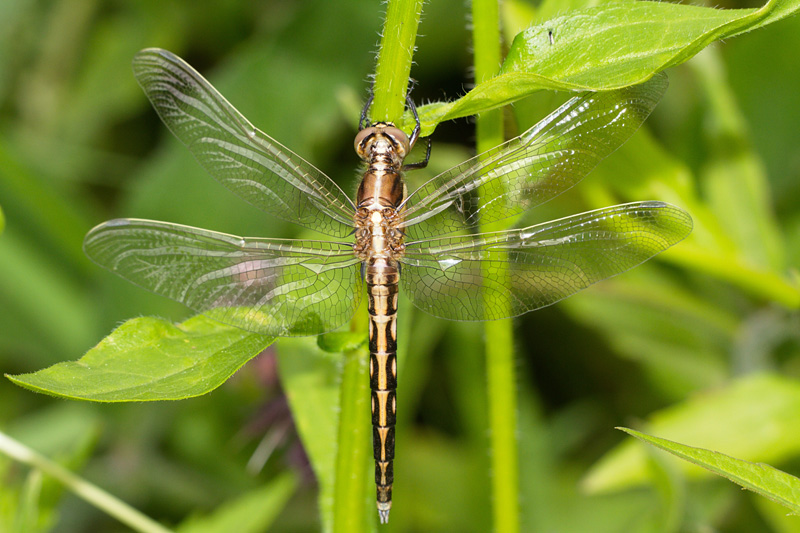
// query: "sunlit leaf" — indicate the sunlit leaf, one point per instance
point(756, 418)
point(604, 47)
point(761, 478)
point(151, 359)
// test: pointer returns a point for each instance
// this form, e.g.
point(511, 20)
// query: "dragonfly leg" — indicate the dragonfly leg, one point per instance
point(417, 126)
point(415, 134)
point(423, 163)
point(364, 122)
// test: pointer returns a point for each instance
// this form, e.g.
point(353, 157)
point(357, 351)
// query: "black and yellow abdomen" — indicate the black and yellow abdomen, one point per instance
point(382, 280)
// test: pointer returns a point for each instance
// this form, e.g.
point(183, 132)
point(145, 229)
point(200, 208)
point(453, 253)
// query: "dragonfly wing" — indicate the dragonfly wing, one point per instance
point(268, 286)
point(499, 275)
point(244, 159)
point(530, 169)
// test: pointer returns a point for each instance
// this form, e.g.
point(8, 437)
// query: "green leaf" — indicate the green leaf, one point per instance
point(763, 479)
point(253, 512)
point(727, 418)
point(776, 517)
point(151, 359)
point(620, 44)
point(341, 341)
point(604, 47)
point(2, 220)
point(311, 379)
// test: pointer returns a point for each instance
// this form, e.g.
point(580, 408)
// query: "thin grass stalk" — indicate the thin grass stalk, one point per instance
point(92, 494)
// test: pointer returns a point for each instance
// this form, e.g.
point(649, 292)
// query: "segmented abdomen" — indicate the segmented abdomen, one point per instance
point(382, 277)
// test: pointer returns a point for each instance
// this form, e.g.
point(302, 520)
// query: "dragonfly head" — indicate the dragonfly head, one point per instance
point(382, 138)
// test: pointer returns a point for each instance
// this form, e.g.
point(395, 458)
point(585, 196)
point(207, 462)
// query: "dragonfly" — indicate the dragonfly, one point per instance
point(427, 244)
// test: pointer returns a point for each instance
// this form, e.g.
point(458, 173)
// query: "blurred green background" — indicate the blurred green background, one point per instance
point(79, 144)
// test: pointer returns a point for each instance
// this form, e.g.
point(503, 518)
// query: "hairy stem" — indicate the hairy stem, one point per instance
point(500, 371)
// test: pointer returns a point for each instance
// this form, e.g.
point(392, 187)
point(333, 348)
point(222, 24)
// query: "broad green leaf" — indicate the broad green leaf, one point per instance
point(311, 378)
point(151, 359)
point(727, 419)
point(605, 47)
point(252, 512)
point(770, 482)
point(620, 44)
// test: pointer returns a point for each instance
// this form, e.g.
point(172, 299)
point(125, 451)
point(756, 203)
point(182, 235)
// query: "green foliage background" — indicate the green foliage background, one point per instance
point(701, 346)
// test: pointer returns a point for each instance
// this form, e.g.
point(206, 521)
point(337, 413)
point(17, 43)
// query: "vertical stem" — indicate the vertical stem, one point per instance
point(352, 480)
point(502, 393)
point(500, 371)
point(394, 59)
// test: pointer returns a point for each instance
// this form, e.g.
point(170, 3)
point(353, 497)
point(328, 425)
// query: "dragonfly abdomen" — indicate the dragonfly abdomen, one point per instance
point(382, 277)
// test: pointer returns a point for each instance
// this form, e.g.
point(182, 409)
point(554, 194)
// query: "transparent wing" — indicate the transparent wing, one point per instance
point(244, 159)
point(530, 169)
point(268, 286)
point(504, 274)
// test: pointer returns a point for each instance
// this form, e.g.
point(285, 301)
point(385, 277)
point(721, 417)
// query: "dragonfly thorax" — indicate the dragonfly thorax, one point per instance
point(378, 233)
point(382, 190)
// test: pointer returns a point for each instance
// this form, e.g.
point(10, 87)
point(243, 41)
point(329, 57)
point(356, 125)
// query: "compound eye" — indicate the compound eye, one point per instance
point(362, 137)
point(399, 137)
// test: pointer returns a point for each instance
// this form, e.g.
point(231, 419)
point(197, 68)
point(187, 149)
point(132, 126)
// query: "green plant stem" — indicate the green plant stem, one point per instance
point(500, 371)
point(354, 439)
point(80, 487)
point(394, 59)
